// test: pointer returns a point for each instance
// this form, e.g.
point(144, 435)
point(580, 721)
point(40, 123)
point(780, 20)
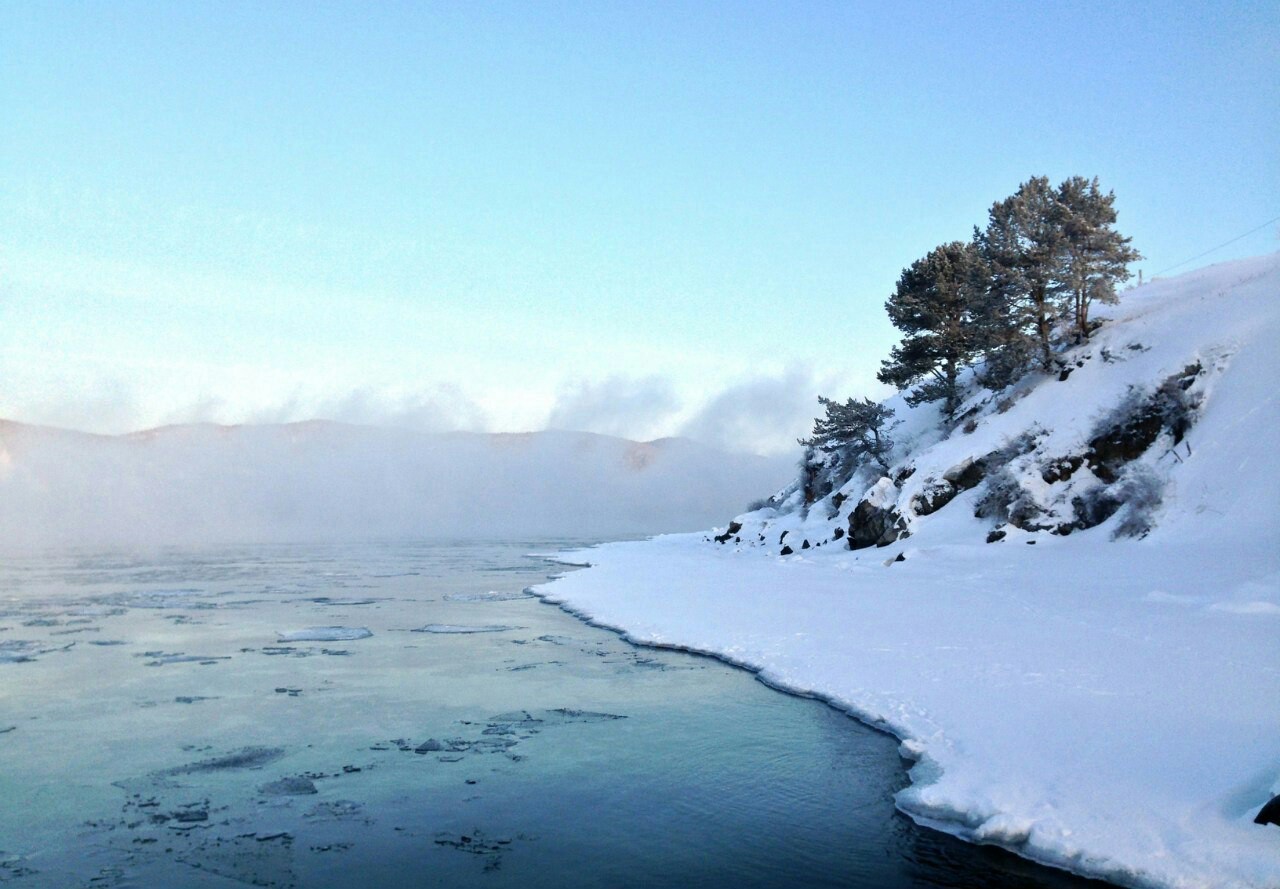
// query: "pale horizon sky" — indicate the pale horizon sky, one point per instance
point(637, 219)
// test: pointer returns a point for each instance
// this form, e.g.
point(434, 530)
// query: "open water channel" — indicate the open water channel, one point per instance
point(177, 719)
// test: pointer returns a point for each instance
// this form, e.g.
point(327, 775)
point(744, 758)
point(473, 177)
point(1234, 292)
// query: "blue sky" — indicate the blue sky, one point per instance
point(641, 219)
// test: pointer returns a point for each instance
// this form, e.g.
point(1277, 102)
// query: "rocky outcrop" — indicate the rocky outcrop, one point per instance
point(875, 521)
point(968, 474)
point(1123, 442)
point(932, 497)
point(1137, 423)
point(937, 493)
point(871, 525)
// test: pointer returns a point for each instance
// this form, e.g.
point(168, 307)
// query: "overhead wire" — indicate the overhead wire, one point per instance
point(1219, 247)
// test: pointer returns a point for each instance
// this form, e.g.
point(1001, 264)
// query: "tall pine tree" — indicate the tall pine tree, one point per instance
point(936, 305)
point(1021, 249)
point(1095, 257)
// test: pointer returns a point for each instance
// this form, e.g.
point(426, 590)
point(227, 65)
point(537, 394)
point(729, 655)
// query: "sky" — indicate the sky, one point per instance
point(635, 219)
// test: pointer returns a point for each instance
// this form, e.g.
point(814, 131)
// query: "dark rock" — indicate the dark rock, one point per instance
point(997, 535)
point(786, 551)
point(1062, 377)
point(782, 537)
point(1061, 469)
point(1270, 813)
point(805, 545)
point(938, 493)
point(871, 525)
point(932, 497)
point(1099, 505)
point(967, 474)
point(431, 745)
point(1123, 442)
point(901, 557)
point(733, 529)
point(903, 474)
point(1188, 376)
point(1008, 502)
point(837, 534)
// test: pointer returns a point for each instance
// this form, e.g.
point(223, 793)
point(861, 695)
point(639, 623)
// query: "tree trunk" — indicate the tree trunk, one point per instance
point(953, 396)
point(1042, 326)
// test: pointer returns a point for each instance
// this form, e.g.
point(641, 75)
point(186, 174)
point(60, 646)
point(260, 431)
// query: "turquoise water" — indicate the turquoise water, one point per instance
point(156, 731)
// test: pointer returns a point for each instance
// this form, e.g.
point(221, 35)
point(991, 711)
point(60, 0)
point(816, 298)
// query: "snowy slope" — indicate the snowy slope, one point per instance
point(1104, 704)
point(321, 480)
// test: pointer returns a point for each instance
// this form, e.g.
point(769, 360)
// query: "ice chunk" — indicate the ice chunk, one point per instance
point(324, 634)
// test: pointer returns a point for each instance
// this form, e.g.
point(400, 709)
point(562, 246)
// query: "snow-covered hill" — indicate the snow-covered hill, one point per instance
point(323, 481)
point(1142, 430)
point(1067, 607)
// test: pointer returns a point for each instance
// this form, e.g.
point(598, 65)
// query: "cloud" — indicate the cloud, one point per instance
point(114, 407)
point(628, 407)
point(763, 415)
point(205, 409)
point(108, 405)
point(440, 408)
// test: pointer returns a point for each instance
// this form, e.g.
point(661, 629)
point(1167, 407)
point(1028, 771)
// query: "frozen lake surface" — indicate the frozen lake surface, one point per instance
point(405, 716)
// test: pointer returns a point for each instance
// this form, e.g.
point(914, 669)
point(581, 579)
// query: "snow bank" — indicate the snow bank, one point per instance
point(1105, 706)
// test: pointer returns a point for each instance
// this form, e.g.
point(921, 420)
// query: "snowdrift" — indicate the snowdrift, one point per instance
point(1067, 607)
point(329, 481)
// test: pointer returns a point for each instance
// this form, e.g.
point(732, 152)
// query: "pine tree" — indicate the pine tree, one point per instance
point(1021, 249)
point(1095, 256)
point(855, 430)
point(937, 305)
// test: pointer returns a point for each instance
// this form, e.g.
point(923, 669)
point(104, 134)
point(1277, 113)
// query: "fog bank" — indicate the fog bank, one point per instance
point(330, 481)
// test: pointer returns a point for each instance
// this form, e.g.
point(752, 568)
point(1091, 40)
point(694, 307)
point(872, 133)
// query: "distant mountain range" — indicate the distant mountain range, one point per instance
point(321, 480)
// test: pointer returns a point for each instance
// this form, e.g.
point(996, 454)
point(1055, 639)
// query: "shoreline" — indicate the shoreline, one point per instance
point(1088, 742)
point(907, 756)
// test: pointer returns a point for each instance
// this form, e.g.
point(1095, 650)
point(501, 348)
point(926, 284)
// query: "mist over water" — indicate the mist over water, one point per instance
point(329, 481)
point(404, 715)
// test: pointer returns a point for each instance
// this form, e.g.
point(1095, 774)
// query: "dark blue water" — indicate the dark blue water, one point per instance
point(155, 731)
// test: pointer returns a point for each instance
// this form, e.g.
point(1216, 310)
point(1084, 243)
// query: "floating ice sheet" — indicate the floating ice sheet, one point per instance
point(324, 634)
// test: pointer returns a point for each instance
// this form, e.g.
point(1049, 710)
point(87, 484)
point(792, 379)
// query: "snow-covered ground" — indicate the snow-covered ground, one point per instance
point(1111, 706)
